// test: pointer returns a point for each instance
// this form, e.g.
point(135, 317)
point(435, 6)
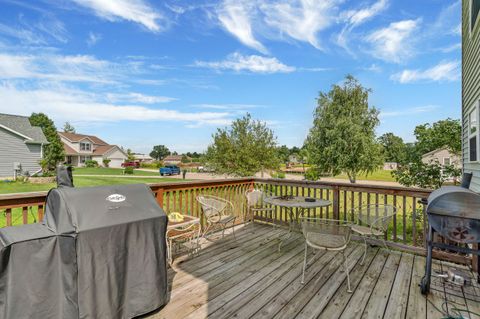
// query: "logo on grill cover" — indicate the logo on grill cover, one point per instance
point(116, 198)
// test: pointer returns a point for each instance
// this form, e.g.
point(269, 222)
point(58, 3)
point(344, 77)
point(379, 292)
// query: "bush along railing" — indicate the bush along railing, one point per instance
point(407, 231)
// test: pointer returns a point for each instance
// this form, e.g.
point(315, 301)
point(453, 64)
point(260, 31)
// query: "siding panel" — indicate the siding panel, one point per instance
point(13, 149)
point(470, 85)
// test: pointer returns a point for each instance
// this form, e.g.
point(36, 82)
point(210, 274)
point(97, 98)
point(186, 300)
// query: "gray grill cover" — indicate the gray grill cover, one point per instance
point(95, 256)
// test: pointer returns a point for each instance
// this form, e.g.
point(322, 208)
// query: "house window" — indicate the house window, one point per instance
point(474, 10)
point(85, 147)
point(446, 161)
point(83, 159)
point(473, 134)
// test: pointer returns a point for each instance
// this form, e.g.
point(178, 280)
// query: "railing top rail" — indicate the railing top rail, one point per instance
point(395, 190)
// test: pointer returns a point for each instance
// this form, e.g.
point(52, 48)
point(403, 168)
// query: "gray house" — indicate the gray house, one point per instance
point(20, 144)
point(471, 90)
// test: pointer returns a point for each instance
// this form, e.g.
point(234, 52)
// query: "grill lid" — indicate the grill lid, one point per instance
point(454, 201)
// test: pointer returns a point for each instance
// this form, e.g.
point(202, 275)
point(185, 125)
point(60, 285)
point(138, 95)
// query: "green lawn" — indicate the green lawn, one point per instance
point(80, 181)
point(380, 175)
point(109, 171)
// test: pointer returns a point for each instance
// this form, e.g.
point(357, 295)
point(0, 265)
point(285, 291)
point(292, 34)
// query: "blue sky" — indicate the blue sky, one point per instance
point(144, 72)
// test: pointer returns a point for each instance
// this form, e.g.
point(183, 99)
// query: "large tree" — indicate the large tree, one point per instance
point(159, 152)
point(439, 134)
point(53, 152)
point(68, 128)
point(394, 149)
point(342, 138)
point(245, 148)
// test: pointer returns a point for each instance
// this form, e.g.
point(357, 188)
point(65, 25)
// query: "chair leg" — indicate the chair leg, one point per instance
point(206, 230)
point(346, 271)
point(365, 250)
point(385, 245)
point(304, 263)
point(233, 228)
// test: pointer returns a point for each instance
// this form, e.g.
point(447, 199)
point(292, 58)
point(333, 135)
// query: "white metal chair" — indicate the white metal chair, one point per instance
point(255, 204)
point(326, 234)
point(217, 212)
point(372, 221)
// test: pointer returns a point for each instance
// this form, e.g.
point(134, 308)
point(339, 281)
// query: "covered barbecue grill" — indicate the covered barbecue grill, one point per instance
point(100, 253)
point(454, 213)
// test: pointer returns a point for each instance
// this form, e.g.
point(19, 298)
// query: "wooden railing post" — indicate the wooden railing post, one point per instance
point(160, 197)
point(336, 202)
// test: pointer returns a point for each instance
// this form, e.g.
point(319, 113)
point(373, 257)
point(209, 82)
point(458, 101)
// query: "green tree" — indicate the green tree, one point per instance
point(439, 134)
point(159, 152)
point(53, 152)
point(283, 153)
point(130, 156)
point(245, 148)
point(342, 138)
point(426, 175)
point(68, 128)
point(394, 149)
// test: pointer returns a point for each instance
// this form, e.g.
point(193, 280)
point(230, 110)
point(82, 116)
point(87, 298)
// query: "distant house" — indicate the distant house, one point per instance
point(442, 156)
point(173, 159)
point(21, 145)
point(80, 148)
point(294, 159)
point(143, 158)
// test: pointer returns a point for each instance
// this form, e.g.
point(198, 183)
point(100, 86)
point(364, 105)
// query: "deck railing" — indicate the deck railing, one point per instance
point(406, 232)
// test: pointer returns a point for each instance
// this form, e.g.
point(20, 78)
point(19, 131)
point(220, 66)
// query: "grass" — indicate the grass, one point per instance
point(380, 175)
point(109, 171)
point(81, 181)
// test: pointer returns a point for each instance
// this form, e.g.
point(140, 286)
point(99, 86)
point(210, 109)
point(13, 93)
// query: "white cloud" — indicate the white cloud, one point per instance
point(131, 10)
point(24, 35)
point(79, 106)
point(409, 111)
point(354, 18)
point(134, 97)
point(357, 17)
point(72, 68)
point(228, 106)
point(251, 63)
point(394, 43)
point(453, 47)
point(235, 18)
point(93, 38)
point(301, 20)
point(444, 71)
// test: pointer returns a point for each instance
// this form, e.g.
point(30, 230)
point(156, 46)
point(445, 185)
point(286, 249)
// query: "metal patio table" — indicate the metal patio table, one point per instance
point(295, 206)
point(188, 230)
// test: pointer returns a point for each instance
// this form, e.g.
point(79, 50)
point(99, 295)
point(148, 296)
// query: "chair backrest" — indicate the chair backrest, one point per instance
point(254, 197)
point(332, 227)
point(212, 205)
point(377, 216)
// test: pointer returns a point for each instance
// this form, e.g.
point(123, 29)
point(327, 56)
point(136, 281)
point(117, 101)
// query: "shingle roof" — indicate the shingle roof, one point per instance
point(78, 137)
point(100, 150)
point(21, 125)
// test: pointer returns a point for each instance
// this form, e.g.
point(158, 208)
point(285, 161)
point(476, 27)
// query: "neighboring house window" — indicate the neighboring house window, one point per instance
point(446, 161)
point(85, 158)
point(473, 134)
point(85, 146)
point(474, 10)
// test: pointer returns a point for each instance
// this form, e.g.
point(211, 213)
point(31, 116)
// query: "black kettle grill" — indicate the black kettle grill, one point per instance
point(454, 213)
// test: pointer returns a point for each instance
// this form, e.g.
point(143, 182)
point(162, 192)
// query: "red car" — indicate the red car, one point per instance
point(131, 164)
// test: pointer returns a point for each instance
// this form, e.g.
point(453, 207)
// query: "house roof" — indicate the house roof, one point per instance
point(103, 149)
point(69, 150)
point(20, 125)
point(74, 137)
point(173, 158)
point(436, 151)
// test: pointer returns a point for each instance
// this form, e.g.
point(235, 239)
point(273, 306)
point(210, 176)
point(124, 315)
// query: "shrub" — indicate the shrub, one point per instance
point(278, 174)
point(106, 162)
point(312, 175)
point(153, 165)
point(91, 163)
point(128, 170)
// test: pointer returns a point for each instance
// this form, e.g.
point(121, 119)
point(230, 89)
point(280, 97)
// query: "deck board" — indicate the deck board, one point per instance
point(249, 278)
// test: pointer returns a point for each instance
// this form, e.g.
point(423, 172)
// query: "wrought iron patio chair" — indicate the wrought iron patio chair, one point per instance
point(326, 234)
point(372, 221)
point(217, 212)
point(255, 204)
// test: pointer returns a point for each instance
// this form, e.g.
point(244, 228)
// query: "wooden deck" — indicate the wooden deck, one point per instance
point(249, 278)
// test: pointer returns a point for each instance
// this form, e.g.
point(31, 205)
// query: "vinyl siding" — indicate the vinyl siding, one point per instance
point(13, 149)
point(470, 86)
